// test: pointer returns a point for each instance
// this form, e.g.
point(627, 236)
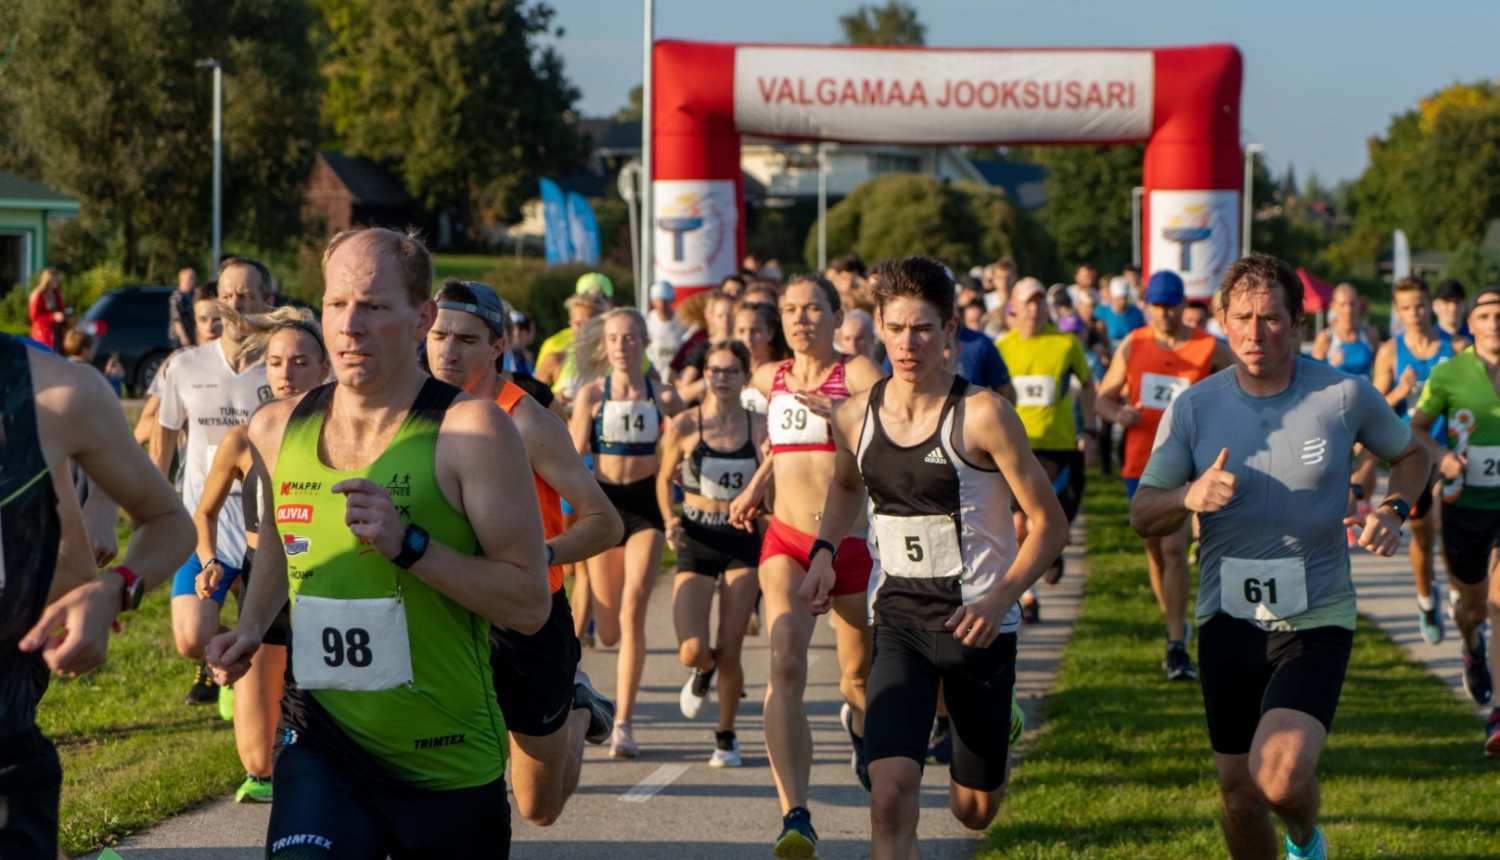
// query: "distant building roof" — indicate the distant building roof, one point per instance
point(371, 184)
point(14, 189)
point(612, 137)
point(1024, 182)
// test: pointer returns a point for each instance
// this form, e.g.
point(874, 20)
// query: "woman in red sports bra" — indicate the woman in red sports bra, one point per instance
point(801, 394)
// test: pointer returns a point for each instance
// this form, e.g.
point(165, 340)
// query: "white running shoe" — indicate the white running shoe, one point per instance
point(622, 745)
point(694, 692)
point(726, 758)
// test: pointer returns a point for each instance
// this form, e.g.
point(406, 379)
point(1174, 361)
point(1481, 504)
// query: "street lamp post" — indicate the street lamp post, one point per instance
point(218, 157)
point(1247, 202)
point(648, 197)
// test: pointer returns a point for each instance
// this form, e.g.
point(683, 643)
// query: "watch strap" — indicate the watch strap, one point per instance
point(1399, 507)
point(413, 547)
point(833, 551)
point(130, 599)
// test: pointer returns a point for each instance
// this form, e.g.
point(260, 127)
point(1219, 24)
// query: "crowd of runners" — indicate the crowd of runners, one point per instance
point(449, 519)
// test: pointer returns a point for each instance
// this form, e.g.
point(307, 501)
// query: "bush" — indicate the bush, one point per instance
point(532, 287)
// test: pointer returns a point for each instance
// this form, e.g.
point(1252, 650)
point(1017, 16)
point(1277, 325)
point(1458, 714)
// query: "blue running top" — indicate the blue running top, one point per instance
point(1358, 354)
point(1423, 367)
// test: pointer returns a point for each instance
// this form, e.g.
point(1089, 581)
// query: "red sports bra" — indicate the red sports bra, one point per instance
point(793, 426)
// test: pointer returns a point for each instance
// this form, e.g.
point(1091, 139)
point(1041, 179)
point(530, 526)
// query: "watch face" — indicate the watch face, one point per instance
point(419, 540)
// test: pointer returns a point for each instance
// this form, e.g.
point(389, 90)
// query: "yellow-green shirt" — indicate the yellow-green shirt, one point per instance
point(556, 343)
point(1041, 368)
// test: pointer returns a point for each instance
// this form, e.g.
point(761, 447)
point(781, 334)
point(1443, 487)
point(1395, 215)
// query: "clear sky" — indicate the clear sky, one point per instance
point(1321, 76)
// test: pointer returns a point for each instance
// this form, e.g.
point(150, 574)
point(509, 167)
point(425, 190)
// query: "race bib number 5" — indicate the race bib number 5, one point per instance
point(1035, 390)
point(1484, 466)
point(350, 644)
point(1262, 589)
point(918, 547)
point(1159, 390)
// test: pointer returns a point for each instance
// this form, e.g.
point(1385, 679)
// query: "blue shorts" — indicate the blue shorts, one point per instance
point(185, 581)
point(567, 509)
point(1131, 485)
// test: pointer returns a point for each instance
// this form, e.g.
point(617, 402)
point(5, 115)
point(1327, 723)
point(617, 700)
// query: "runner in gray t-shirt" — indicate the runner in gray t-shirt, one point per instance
point(1260, 453)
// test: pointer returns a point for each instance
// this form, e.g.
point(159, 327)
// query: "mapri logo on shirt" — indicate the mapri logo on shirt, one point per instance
point(1313, 451)
point(936, 457)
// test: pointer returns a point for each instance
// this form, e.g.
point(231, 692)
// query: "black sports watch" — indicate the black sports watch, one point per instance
point(1399, 507)
point(413, 547)
point(833, 551)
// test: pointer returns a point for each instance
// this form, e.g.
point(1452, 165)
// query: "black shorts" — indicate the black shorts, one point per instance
point(281, 626)
point(712, 550)
point(1468, 536)
point(636, 503)
point(534, 674)
point(1065, 469)
point(324, 812)
point(30, 788)
point(1246, 671)
point(901, 700)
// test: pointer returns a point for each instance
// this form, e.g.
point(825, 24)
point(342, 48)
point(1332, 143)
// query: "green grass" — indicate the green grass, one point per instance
point(1123, 769)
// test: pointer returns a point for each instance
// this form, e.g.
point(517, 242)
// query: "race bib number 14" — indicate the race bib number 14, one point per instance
point(350, 644)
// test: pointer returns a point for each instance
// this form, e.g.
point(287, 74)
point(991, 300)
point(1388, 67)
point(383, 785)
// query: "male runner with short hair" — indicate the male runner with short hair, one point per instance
point(407, 525)
point(1466, 392)
point(549, 704)
point(206, 390)
point(51, 411)
point(1151, 367)
point(1260, 453)
point(941, 459)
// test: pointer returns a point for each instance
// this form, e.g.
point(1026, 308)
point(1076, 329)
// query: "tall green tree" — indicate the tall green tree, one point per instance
point(1088, 200)
point(461, 97)
point(101, 99)
point(895, 23)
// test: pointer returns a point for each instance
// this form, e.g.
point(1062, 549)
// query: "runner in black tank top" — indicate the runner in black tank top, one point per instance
point(940, 459)
point(52, 410)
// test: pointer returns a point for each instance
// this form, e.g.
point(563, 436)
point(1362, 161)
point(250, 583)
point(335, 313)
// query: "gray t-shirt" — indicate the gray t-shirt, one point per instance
point(1291, 457)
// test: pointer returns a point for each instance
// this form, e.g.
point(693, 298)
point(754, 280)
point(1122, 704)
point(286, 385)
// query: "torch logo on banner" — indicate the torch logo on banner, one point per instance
point(1195, 234)
point(697, 223)
point(689, 220)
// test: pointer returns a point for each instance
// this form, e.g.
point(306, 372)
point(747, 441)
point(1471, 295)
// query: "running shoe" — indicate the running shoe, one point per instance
point(1477, 681)
point(601, 710)
point(1031, 613)
point(1317, 849)
point(695, 691)
point(752, 628)
point(253, 790)
point(1054, 573)
point(587, 639)
point(204, 691)
point(1431, 621)
point(226, 703)
point(1178, 664)
point(1492, 735)
point(726, 751)
point(799, 841)
point(622, 743)
point(857, 759)
point(1017, 720)
point(940, 744)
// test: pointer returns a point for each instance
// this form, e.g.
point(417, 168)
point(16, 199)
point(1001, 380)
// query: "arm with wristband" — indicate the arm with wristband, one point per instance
point(846, 499)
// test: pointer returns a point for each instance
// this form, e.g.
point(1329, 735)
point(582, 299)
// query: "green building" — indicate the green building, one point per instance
point(25, 208)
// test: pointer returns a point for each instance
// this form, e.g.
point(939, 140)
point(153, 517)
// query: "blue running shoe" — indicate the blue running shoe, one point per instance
point(1431, 621)
point(1477, 681)
point(1317, 849)
point(799, 841)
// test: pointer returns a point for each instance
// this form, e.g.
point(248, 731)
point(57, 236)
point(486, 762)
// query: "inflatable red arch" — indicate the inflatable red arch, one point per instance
point(1184, 102)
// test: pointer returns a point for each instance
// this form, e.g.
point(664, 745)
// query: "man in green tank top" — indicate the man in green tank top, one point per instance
point(391, 741)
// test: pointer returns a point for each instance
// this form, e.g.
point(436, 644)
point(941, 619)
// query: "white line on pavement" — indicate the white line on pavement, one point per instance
point(648, 787)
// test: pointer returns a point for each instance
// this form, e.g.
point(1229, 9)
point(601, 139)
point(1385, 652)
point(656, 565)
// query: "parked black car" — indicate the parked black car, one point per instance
point(131, 322)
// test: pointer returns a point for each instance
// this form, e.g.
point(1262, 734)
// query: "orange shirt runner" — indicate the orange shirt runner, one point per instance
point(1155, 375)
point(551, 502)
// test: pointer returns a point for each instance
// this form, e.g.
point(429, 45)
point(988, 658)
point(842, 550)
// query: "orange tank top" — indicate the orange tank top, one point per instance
point(1155, 375)
point(551, 502)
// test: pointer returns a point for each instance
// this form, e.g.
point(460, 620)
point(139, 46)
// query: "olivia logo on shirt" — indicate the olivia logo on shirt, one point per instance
point(294, 513)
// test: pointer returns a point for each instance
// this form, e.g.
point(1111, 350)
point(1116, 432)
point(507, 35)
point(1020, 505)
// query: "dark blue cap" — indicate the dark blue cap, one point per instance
point(1164, 288)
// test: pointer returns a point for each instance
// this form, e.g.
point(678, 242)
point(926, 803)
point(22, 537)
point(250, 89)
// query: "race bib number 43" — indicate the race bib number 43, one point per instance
point(1262, 589)
point(1159, 390)
point(722, 480)
point(350, 644)
point(1035, 390)
point(918, 547)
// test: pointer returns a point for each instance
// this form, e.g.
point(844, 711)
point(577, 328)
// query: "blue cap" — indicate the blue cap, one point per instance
point(1164, 288)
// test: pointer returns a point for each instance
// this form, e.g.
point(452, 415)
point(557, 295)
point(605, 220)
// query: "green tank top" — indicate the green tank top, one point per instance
point(444, 729)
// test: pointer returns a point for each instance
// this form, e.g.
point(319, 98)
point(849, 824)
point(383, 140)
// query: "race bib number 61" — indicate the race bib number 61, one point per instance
point(1262, 589)
point(350, 644)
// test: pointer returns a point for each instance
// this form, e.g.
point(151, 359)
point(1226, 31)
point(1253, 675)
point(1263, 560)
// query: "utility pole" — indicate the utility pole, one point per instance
point(1249, 205)
point(218, 159)
point(648, 173)
point(822, 207)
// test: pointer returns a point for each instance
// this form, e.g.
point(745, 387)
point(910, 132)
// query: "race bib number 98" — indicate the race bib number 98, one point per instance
point(1159, 390)
point(1262, 589)
point(1484, 466)
point(918, 547)
point(350, 644)
point(1035, 390)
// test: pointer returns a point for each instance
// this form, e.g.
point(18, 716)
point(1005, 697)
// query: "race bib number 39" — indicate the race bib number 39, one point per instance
point(1159, 390)
point(350, 644)
point(1484, 466)
point(1262, 589)
point(722, 480)
point(1035, 390)
point(792, 423)
point(918, 547)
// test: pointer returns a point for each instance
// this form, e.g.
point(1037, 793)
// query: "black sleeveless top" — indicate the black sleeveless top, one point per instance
point(29, 534)
point(732, 482)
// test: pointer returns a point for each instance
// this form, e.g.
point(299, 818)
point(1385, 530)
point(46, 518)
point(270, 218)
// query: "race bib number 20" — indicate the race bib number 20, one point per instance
point(1484, 466)
point(350, 644)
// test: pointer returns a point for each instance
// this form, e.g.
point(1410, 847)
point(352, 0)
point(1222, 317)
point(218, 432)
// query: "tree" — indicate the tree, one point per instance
point(895, 23)
point(1088, 200)
point(634, 105)
point(459, 96)
point(962, 224)
point(1468, 266)
point(102, 101)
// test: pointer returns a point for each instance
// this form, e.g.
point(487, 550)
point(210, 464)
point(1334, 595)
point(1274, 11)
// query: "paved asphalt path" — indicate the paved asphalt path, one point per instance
point(669, 803)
